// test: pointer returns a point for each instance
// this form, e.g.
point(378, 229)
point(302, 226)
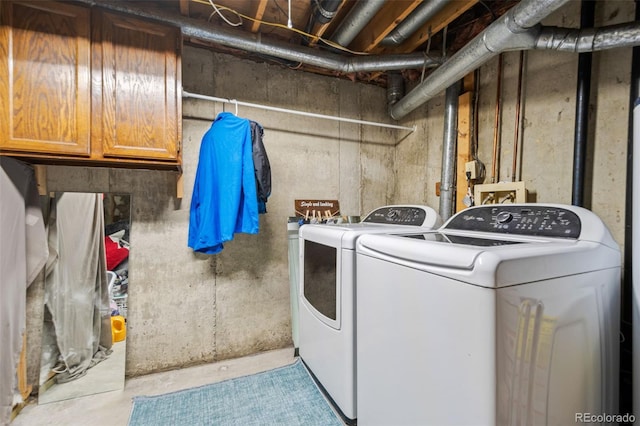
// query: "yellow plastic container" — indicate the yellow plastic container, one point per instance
point(118, 328)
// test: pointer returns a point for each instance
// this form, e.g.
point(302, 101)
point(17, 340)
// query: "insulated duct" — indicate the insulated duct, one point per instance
point(589, 39)
point(414, 21)
point(254, 43)
point(357, 18)
point(517, 30)
point(512, 31)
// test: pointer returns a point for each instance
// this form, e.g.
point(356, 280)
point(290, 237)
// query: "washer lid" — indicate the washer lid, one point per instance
point(490, 260)
point(345, 235)
point(383, 220)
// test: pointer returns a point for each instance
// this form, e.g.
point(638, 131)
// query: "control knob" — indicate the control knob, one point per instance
point(504, 217)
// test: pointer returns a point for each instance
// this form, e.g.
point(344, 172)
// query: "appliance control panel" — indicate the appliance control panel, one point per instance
point(538, 220)
point(398, 215)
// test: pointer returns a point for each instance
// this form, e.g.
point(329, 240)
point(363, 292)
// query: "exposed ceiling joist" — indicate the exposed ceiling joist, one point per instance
point(383, 23)
point(447, 15)
point(184, 7)
point(261, 6)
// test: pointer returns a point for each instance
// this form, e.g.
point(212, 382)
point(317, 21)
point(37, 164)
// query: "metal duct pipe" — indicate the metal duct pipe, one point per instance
point(254, 43)
point(589, 39)
point(324, 11)
point(357, 18)
point(450, 138)
point(414, 21)
point(395, 88)
point(511, 31)
point(583, 93)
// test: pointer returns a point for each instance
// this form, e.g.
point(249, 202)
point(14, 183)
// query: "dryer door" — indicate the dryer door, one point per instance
point(319, 284)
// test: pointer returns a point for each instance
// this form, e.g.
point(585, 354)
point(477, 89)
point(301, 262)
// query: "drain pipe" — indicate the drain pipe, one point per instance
point(414, 21)
point(511, 31)
point(357, 18)
point(450, 138)
point(275, 48)
point(583, 92)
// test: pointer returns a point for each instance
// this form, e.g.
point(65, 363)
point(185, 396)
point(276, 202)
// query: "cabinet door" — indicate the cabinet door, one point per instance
point(44, 78)
point(140, 85)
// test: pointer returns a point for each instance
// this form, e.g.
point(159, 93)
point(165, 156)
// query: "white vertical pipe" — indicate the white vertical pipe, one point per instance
point(635, 247)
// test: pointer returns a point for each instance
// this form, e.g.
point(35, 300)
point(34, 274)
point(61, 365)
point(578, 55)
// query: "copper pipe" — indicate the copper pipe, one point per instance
point(516, 137)
point(496, 125)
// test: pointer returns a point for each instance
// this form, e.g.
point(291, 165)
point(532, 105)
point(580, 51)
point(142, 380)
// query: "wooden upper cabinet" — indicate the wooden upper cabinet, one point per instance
point(136, 99)
point(83, 86)
point(45, 78)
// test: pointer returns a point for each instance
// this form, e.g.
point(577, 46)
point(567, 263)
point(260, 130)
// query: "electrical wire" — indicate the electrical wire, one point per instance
point(426, 54)
point(493, 15)
point(218, 8)
point(475, 126)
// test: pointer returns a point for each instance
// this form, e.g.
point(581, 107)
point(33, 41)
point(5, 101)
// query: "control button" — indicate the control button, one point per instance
point(504, 217)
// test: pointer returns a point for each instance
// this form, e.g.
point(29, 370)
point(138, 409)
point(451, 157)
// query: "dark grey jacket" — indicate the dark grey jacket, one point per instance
point(261, 166)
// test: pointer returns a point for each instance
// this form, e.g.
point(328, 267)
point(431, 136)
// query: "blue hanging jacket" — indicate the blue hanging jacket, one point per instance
point(224, 197)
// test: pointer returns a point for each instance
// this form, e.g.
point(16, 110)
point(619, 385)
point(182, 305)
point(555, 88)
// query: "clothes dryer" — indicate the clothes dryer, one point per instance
point(506, 315)
point(328, 294)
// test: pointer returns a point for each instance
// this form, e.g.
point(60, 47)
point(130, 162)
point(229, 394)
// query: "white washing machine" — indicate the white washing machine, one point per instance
point(506, 315)
point(326, 333)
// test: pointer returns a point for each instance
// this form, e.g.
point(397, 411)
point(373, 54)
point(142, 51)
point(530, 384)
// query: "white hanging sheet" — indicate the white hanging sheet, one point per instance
point(76, 287)
point(23, 253)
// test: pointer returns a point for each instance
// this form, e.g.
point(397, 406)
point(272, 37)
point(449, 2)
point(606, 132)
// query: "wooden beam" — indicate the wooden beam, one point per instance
point(391, 14)
point(261, 6)
point(23, 385)
point(184, 7)
point(180, 186)
point(464, 147)
point(41, 178)
point(468, 82)
point(448, 14)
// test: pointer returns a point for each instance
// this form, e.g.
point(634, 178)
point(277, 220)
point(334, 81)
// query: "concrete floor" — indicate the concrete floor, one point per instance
point(113, 408)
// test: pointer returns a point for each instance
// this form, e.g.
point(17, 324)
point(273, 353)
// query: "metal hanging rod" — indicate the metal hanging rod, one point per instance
point(235, 102)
